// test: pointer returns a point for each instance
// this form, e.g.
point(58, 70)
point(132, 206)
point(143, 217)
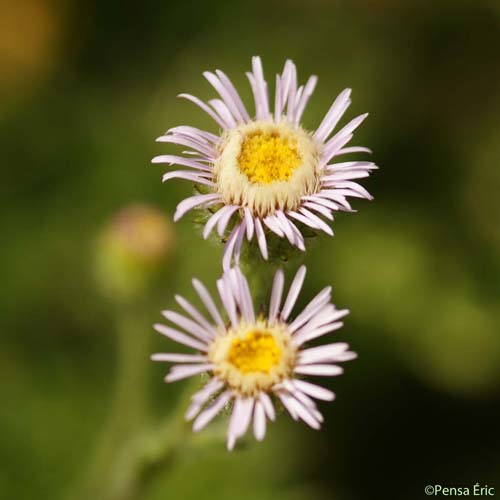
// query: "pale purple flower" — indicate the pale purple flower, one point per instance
point(253, 359)
point(265, 173)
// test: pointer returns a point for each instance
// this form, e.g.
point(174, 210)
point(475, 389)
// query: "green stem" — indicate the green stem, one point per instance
point(260, 273)
point(130, 406)
point(150, 452)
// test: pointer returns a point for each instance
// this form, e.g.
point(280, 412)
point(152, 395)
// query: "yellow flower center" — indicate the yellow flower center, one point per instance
point(253, 357)
point(256, 352)
point(268, 157)
point(267, 166)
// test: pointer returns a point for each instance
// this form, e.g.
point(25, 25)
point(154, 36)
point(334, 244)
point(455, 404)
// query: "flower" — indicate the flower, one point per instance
point(255, 357)
point(267, 169)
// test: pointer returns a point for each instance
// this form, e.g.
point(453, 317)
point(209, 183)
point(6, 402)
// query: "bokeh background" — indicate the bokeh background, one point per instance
point(85, 87)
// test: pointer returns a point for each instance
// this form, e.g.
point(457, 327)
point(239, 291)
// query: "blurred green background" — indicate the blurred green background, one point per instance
point(86, 87)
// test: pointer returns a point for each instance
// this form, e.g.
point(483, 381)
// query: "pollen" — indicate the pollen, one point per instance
point(257, 352)
point(268, 157)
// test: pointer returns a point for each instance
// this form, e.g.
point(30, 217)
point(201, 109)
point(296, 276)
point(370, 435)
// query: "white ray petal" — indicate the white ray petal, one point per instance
point(293, 293)
point(225, 218)
point(333, 115)
point(200, 397)
point(228, 301)
point(354, 186)
point(188, 324)
point(306, 335)
point(271, 222)
point(207, 151)
point(239, 241)
point(246, 297)
point(332, 146)
point(328, 313)
point(268, 406)
point(326, 212)
point(296, 101)
point(345, 176)
point(180, 160)
point(352, 125)
point(322, 201)
point(223, 112)
point(332, 194)
point(256, 98)
point(308, 91)
point(346, 356)
point(207, 415)
point(240, 420)
point(178, 358)
point(309, 221)
point(276, 295)
point(226, 96)
point(299, 239)
point(196, 132)
point(234, 93)
point(212, 221)
point(278, 106)
point(195, 201)
point(292, 90)
point(261, 238)
point(305, 413)
point(319, 370)
point(282, 221)
point(208, 302)
point(302, 218)
point(206, 108)
point(261, 87)
point(180, 337)
point(229, 247)
point(329, 352)
point(259, 421)
point(351, 165)
point(179, 372)
point(314, 390)
point(195, 314)
point(189, 176)
point(290, 230)
point(345, 192)
point(204, 394)
point(286, 400)
point(316, 304)
point(249, 223)
point(320, 223)
point(354, 149)
point(303, 398)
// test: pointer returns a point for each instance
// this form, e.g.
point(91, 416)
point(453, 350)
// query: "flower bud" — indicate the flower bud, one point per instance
point(132, 247)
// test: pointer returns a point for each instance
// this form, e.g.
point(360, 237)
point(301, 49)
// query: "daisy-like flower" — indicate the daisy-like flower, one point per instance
point(254, 358)
point(267, 170)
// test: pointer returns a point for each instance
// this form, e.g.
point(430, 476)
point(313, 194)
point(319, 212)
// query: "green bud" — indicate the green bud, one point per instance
point(131, 248)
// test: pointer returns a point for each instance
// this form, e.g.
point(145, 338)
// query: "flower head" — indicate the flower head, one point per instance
point(254, 358)
point(266, 171)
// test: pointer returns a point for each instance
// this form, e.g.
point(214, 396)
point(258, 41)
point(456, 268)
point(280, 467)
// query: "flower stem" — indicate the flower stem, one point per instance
point(151, 451)
point(130, 405)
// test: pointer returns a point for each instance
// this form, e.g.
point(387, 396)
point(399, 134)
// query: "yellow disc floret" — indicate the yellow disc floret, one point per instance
point(265, 166)
point(256, 352)
point(268, 157)
point(253, 357)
